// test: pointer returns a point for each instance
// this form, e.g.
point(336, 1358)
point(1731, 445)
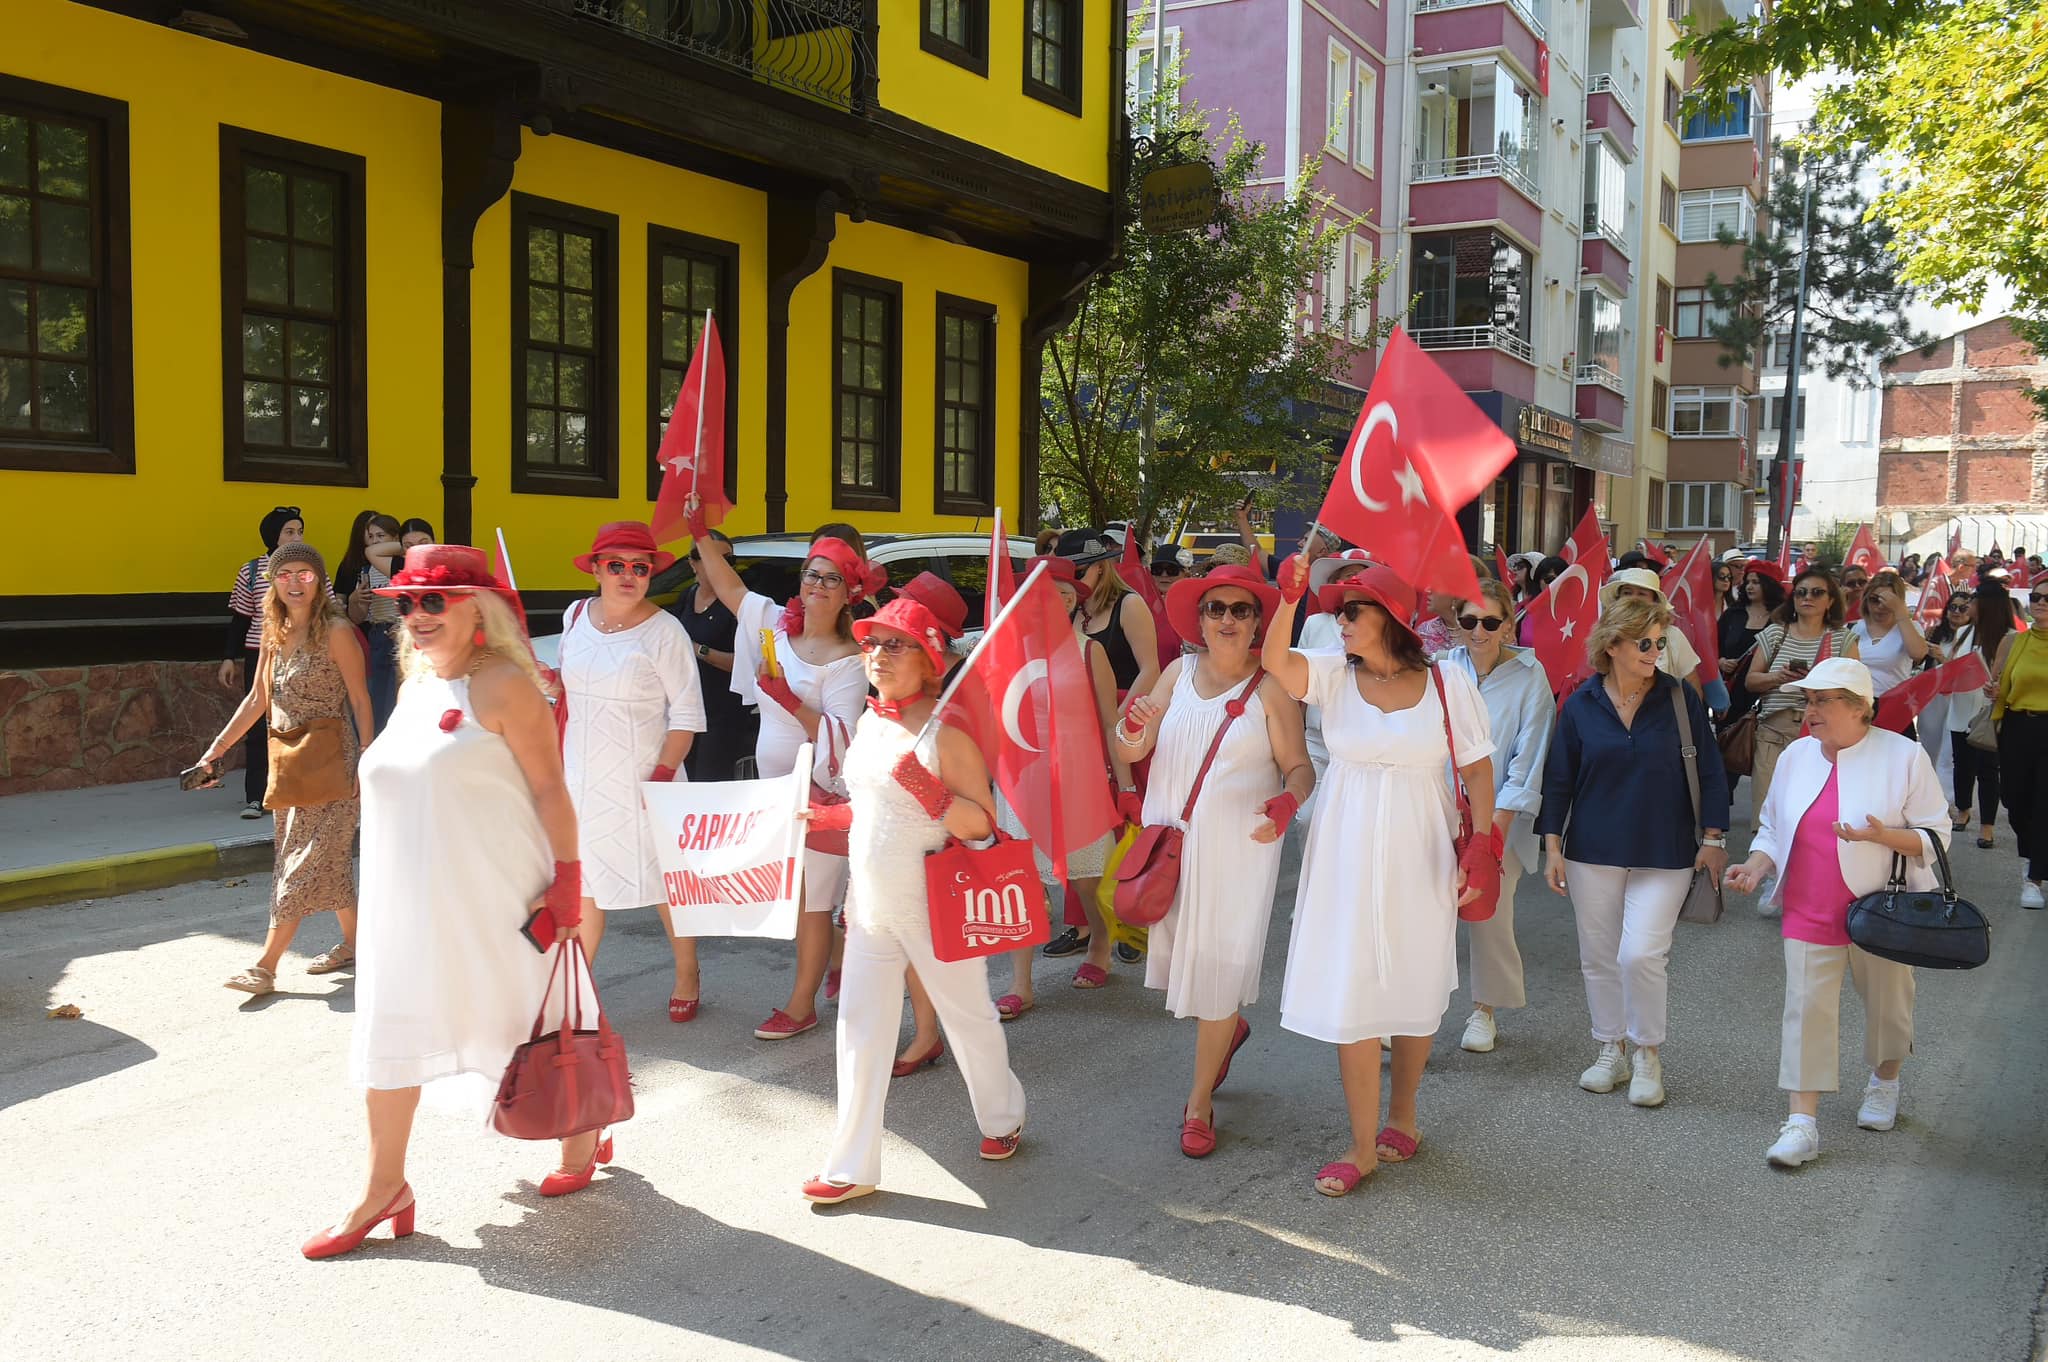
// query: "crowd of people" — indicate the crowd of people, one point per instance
point(1416, 736)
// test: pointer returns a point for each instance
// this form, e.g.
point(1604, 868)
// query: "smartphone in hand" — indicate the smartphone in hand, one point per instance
point(199, 776)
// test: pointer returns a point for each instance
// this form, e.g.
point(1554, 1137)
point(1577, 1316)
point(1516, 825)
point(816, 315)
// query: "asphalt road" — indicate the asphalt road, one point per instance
point(168, 1152)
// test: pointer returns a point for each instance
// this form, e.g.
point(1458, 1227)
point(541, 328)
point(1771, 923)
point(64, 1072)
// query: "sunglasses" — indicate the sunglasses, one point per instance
point(1811, 593)
point(1645, 644)
point(2037, 598)
point(303, 576)
point(1351, 610)
point(619, 567)
point(894, 647)
point(1960, 603)
point(1168, 570)
point(1237, 610)
point(433, 602)
point(1490, 623)
point(824, 581)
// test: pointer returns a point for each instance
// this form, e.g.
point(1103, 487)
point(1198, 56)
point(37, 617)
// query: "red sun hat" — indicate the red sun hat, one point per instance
point(442, 567)
point(624, 536)
point(937, 595)
point(912, 618)
point(1764, 567)
point(1380, 585)
point(1184, 599)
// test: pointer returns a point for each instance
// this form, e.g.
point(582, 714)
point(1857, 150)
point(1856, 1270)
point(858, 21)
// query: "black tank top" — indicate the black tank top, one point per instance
point(1123, 663)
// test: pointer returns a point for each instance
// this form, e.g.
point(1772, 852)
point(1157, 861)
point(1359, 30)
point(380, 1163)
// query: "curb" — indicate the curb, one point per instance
point(104, 876)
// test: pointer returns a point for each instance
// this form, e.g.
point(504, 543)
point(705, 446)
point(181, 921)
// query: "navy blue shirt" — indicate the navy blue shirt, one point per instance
point(1629, 783)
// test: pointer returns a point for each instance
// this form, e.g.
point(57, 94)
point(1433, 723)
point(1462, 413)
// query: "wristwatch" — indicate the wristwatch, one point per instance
point(1721, 842)
point(703, 651)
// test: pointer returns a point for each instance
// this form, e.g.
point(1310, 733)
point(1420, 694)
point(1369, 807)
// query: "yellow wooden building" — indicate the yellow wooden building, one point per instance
point(447, 258)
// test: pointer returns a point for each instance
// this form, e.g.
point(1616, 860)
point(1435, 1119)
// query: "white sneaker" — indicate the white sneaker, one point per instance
point(1611, 1068)
point(1798, 1142)
point(2030, 894)
point(1880, 1109)
point(1646, 1089)
point(1480, 1032)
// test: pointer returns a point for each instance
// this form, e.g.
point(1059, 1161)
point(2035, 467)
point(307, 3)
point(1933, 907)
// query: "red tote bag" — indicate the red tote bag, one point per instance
point(985, 902)
point(572, 1079)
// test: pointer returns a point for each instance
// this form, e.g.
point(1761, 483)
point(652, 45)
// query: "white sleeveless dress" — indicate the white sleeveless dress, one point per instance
point(1206, 952)
point(454, 859)
point(1374, 948)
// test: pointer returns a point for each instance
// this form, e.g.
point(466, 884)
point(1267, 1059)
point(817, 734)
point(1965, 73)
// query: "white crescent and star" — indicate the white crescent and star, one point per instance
point(1013, 700)
point(1409, 481)
point(1576, 572)
point(683, 463)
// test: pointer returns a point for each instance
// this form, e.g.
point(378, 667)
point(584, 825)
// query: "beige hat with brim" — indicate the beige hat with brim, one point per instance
point(1838, 673)
point(1641, 577)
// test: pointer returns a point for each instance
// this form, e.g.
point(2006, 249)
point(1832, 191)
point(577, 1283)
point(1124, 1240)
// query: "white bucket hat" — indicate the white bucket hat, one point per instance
point(1642, 577)
point(1838, 673)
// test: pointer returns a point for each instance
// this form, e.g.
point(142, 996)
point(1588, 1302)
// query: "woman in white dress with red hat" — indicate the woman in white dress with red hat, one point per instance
point(912, 784)
point(629, 679)
point(1374, 948)
point(1207, 951)
point(467, 827)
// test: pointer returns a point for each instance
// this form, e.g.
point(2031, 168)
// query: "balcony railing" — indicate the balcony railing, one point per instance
point(821, 49)
point(1518, 6)
point(1499, 338)
point(1615, 236)
point(1603, 84)
point(1476, 167)
point(1602, 375)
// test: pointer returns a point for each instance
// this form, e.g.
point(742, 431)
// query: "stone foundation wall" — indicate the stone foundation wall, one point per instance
point(64, 728)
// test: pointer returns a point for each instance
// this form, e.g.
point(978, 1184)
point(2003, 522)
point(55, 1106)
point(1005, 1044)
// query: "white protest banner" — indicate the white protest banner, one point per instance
point(731, 852)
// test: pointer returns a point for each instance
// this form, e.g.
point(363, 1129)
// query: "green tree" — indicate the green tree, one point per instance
point(1855, 301)
point(1200, 334)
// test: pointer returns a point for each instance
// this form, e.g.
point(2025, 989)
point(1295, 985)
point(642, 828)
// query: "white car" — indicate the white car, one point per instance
point(769, 564)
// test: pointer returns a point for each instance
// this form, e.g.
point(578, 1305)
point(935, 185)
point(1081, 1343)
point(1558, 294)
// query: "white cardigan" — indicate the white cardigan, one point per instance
point(1886, 774)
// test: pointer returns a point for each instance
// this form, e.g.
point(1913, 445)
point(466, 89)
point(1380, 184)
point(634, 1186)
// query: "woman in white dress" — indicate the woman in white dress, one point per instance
point(1888, 640)
point(630, 681)
point(911, 785)
point(467, 826)
point(1319, 635)
point(1206, 952)
point(1374, 949)
point(814, 695)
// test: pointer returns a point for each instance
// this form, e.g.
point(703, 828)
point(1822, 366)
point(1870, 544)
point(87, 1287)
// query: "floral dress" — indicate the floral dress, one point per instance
point(315, 844)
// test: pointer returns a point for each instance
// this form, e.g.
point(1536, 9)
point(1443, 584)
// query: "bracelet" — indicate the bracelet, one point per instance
point(1122, 736)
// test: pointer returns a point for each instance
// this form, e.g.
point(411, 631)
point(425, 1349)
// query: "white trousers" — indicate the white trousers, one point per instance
point(870, 1017)
point(1496, 961)
point(1625, 918)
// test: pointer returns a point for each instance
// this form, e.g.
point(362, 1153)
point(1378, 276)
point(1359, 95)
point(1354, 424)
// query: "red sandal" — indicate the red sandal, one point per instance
point(1090, 976)
point(682, 1009)
point(1402, 1145)
point(1011, 1006)
point(1346, 1175)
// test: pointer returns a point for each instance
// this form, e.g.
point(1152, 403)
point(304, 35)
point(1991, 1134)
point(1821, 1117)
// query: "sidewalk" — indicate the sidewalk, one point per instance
point(114, 839)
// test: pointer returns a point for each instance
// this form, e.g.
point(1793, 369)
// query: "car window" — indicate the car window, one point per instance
point(969, 575)
point(775, 578)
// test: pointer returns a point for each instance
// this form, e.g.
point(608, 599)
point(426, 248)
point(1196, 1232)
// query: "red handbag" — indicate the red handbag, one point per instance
point(1149, 875)
point(984, 902)
point(571, 1079)
point(1474, 863)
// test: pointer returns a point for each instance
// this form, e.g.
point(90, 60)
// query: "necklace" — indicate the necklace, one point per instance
point(1626, 701)
point(1381, 677)
point(483, 655)
point(605, 627)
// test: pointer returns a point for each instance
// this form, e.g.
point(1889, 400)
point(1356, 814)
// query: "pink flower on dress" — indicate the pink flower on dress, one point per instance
point(451, 720)
point(1234, 708)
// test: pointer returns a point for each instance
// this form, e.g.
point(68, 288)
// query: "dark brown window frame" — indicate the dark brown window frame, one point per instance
point(851, 497)
point(974, 55)
point(1066, 96)
point(984, 314)
point(113, 360)
point(350, 464)
point(603, 480)
point(670, 240)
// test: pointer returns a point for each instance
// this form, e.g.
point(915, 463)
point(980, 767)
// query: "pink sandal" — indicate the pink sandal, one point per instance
point(1345, 1175)
point(1402, 1145)
point(1090, 976)
point(1011, 1006)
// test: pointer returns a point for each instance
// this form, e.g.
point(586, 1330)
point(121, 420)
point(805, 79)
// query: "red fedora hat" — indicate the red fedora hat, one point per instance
point(1184, 599)
point(624, 536)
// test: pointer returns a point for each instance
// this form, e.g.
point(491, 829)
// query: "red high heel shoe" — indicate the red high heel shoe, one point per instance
point(559, 1183)
point(328, 1244)
point(903, 1068)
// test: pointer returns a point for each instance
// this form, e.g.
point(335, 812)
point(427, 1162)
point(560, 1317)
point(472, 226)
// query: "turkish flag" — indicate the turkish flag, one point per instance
point(1785, 559)
point(1587, 542)
point(692, 454)
point(1690, 589)
point(2022, 573)
point(1901, 704)
point(1955, 542)
point(1026, 697)
point(1420, 451)
point(1507, 573)
point(1653, 553)
point(1002, 569)
point(1864, 553)
point(1131, 568)
point(1934, 595)
point(1564, 614)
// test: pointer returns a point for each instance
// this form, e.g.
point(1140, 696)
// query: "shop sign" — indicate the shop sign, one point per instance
point(1536, 428)
point(1178, 198)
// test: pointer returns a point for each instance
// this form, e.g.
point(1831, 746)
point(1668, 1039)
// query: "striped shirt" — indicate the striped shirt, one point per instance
point(252, 584)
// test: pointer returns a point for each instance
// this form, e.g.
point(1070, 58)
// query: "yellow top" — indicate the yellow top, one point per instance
point(2023, 684)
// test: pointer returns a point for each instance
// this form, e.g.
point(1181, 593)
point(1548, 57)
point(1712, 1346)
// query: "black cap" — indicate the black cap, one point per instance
point(1083, 547)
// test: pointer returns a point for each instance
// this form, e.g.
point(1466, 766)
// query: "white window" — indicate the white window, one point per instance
point(1141, 77)
point(1333, 290)
point(1697, 316)
point(1365, 118)
point(1337, 93)
point(1708, 412)
point(1703, 213)
point(1699, 506)
point(1774, 416)
point(1361, 275)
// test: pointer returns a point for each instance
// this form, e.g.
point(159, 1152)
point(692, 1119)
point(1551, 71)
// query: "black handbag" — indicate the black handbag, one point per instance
point(1932, 929)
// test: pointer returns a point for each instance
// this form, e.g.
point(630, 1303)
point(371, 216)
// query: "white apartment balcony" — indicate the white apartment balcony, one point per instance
point(1509, 168)
point(1520, 7)
point(1501, 338)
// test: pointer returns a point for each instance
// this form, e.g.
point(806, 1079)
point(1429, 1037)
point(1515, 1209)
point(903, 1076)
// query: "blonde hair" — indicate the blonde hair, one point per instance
point(277, 621)
point(1109, 589)
point(1496, 592)
point(502, 635)
point(1626, 619)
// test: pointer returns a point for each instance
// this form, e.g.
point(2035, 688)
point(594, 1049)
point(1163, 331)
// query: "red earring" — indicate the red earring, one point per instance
point(478, 637)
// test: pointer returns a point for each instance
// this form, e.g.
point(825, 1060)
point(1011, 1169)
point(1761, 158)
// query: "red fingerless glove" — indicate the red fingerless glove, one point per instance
point(565, 896)
point(1481, 864)
point(663, 775)
point(1131, 805)
point(700, 528)
point(927, 789)
point(831, 817)
point(776, 688)
point(1281, 808)
point(1291, 590)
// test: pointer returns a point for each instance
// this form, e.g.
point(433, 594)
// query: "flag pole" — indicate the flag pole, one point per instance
point(505, 557)
point(960, 672)
point(703, 379)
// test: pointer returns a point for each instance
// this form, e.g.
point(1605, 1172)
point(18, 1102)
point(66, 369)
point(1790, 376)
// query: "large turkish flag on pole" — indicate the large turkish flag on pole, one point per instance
point(1564, 616)
point(1420, 451)
point(1587, 542)
point(1934, 595)
point(1690, 589)
point(1863, 552)
point(1027, 699)
point(692, 454)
